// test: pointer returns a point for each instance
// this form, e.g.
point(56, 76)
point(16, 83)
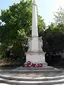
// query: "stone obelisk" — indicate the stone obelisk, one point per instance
point(35, 53)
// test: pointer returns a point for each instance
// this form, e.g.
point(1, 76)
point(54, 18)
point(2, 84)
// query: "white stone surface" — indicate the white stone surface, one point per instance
point(35, 44)
point(4, 84)
point(34, 19)
point(35, 57)
point(35, 53)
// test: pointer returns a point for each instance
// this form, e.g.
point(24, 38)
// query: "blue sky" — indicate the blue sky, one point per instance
point(46, 8)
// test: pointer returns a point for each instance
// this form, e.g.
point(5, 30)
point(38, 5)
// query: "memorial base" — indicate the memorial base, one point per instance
point(36, 58)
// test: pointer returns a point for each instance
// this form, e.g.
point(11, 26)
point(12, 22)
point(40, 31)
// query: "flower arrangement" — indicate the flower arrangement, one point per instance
point(30, 64)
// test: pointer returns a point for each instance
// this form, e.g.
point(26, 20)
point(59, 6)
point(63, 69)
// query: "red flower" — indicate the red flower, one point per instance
point(30, 64)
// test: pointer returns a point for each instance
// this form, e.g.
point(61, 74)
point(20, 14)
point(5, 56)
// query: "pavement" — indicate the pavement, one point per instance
point(32, 76)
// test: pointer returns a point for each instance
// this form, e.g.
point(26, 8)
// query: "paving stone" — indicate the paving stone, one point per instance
point(19, 76)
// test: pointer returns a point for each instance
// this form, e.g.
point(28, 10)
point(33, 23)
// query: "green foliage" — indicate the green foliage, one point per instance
point(15, 52)
point(59, 16)
point(53, 38)
point(41, 24)
point(18, 22)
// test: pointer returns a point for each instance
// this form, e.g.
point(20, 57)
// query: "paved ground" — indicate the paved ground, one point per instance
point(32, 76)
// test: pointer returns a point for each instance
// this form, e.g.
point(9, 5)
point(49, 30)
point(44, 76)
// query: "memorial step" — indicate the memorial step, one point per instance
point(32, 76)
point(37, 68)
point(58, 80)
point(31, 70)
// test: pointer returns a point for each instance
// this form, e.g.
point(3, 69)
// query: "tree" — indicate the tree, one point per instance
point(18, 22)
point(53, 38)
point(59, 16)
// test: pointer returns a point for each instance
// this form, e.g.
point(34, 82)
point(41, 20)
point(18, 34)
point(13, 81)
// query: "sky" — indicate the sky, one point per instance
point(46, 8)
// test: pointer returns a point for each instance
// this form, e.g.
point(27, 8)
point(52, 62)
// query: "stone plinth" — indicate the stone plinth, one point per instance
point(36, 57)
point(35, 54)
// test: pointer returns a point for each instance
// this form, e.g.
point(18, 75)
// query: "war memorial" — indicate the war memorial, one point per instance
point(36, 70)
